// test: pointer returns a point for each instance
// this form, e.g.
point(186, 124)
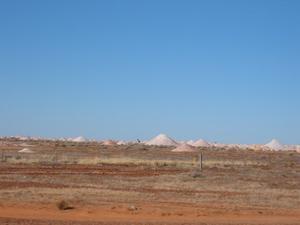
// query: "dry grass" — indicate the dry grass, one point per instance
point(184, 164)
point(134, 161)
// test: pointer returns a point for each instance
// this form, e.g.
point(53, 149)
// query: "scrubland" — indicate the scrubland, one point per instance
point(137, 184)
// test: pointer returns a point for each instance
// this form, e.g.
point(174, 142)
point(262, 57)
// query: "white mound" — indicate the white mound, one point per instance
point(22, 138)
point(274, 145)
point(185, 148)
point(79, 139)
point(191, 142)
point(219, 145)
point(121, 142)
point(26, 150)
point(24, 145)
point(243, 146)
point(200, 143)
point(109, 142)
point(162, 140)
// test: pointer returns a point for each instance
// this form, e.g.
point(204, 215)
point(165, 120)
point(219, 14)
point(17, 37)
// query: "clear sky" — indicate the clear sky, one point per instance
point(226, 71)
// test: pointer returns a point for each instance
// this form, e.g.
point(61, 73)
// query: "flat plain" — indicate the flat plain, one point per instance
point(62, 183)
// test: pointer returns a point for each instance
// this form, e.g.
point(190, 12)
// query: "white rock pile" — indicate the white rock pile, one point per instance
point(79, 139)
point(199, 143)
point(185, 148)
point(275, 145)
point(162, 140)
point(26, 150)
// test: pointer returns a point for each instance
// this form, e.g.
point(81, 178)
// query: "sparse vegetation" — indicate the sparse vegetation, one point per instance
point(92, 175)
point(64, 205)
point(196, 173)
point(187, 164)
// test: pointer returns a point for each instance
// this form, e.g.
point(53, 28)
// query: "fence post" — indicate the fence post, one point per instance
point(55, 156)
point(200, 161)
point(3, 156)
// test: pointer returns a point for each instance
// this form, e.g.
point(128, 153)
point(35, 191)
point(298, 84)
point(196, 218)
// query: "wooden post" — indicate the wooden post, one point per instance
point(200, 161)
point(55, 156)
point(196, 172)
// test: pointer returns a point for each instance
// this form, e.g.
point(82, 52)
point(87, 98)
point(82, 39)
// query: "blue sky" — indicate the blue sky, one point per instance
point(226, 71)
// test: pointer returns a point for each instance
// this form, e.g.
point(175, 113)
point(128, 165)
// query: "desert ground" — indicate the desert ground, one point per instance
point(62, 183)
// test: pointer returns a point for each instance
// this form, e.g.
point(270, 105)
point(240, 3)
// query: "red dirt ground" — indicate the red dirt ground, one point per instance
point(145, 214)
point(103, 194)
